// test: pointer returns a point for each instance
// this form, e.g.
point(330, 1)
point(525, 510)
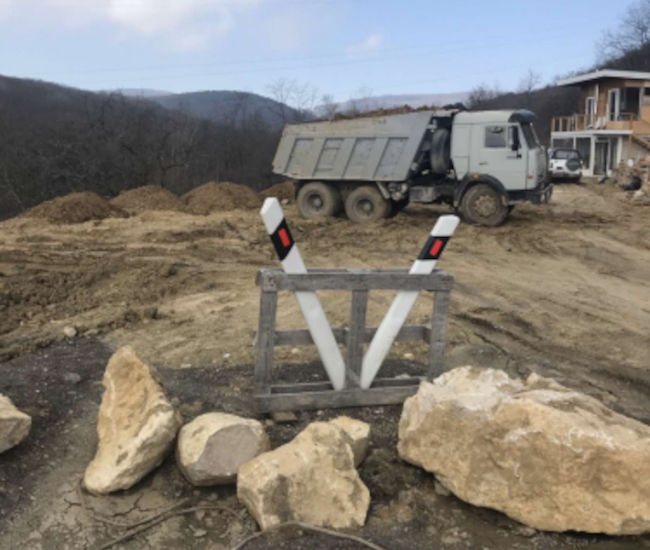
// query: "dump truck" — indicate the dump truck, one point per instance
point(481, 163)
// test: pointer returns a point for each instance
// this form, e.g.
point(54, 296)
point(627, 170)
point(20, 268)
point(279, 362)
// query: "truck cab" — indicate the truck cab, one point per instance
point(499, 150)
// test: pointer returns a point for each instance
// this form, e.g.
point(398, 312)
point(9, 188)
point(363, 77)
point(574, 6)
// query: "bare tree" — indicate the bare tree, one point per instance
point(482, 93)
point(529, 81)
point(361, 101)
point(295, 100)
point(632, 32)
point(329, 107)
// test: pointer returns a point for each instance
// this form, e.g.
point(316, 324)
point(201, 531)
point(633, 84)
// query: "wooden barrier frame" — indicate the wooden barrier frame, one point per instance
point(271, 397)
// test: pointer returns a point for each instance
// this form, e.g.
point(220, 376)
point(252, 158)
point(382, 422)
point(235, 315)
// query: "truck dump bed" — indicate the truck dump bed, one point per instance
point(380, 148)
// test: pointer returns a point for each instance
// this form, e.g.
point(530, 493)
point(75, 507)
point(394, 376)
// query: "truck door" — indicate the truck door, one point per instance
point(502, 154)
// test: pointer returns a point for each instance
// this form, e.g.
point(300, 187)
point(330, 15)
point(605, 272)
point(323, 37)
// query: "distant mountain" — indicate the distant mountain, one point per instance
point(141, 92)
point(229, 106)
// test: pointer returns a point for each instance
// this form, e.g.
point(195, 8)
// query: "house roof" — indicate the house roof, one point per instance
point(604, 73)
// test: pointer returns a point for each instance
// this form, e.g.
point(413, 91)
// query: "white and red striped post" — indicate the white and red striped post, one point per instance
point(403, 302)
point(310, 305)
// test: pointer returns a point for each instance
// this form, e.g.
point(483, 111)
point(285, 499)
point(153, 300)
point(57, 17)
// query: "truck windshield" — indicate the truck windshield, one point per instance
point(530, 135)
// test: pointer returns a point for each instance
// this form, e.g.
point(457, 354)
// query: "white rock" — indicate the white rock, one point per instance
point(358, 432)
point(69, 332)
point(310, 479)
point(552, 458)
point(213, 446)
point(136, 426)
point(14, 424)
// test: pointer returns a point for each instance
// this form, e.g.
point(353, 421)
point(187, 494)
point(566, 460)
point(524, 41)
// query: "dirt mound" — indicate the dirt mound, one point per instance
point(148, 197)
point(75, 208)
point(283, 191)
point(216, 197)
point(390, 111)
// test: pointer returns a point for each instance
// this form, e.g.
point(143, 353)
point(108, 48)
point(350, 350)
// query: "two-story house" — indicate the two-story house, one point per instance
point(612, 121)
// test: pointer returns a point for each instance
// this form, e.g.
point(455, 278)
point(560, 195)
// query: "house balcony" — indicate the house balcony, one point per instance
point(580, 122)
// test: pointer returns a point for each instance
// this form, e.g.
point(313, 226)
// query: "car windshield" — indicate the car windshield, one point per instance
point(565, 154)
point(530, 136)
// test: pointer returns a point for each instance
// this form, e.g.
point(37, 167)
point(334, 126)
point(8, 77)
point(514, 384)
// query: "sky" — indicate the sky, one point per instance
point(345, 48)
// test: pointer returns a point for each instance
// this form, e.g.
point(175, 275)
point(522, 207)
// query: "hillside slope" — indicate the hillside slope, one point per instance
point(56, 140)
point(229, 106)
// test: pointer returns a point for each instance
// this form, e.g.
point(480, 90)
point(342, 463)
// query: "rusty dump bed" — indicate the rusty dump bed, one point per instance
point(380, 148)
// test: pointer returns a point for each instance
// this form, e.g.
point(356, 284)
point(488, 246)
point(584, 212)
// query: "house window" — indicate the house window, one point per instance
point(495, 137)
point(613, 104)
point(589, 111)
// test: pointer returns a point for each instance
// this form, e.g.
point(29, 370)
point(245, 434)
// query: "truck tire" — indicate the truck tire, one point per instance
point(482, 204)
point(366, 204)
point(318, 200)
point(440, 151)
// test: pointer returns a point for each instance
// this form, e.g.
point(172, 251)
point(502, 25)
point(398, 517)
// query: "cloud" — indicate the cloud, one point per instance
point(369, 47)
point(184, 24)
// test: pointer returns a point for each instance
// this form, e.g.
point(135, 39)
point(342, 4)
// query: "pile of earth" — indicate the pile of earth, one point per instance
point(148, 197)
point(75, 208)
point(216, 197)
point(282, 191)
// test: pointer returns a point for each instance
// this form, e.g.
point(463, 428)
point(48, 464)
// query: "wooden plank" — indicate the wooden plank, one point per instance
point(298, 337)
point(353, 397)
point(354, 280)
point(438, 335)
point(265, 341)
point(357, 330)
point(301, 387)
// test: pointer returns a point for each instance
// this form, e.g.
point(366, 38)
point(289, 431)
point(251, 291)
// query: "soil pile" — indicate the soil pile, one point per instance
point(217, 197)
point(75, 208)
point(148, 197)
point(282, 191)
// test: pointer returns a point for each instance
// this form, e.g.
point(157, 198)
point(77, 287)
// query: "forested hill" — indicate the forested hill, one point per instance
point(55, 140)
point(229, 106)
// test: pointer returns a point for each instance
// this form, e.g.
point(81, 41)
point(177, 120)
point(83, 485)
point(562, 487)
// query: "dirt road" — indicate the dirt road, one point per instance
point(563, 290)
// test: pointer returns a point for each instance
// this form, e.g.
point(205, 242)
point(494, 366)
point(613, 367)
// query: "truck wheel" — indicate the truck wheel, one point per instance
point(440, 151)
point(318, 200)
point(366, 204)
point(483, 205)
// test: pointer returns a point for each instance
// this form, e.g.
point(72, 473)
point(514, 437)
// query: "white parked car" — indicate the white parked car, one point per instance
point(565, 164)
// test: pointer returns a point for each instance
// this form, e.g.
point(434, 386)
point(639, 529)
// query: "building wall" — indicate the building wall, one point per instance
point(621, 145)
point(601, 89)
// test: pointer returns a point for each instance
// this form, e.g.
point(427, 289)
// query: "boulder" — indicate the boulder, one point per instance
point(358, 432)
point(14, 424)
point(136, 425)
point(310, 479)
point(547, 456)
point(213, 446)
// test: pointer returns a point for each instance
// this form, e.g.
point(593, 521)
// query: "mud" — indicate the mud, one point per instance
point(148, 197)
point(218, 197)
point(75, 208)
point(562, 290)
point(42, 508)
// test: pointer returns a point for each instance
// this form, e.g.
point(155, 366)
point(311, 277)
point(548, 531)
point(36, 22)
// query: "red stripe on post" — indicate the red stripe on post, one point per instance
point(435, 247)
point(284, 237)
